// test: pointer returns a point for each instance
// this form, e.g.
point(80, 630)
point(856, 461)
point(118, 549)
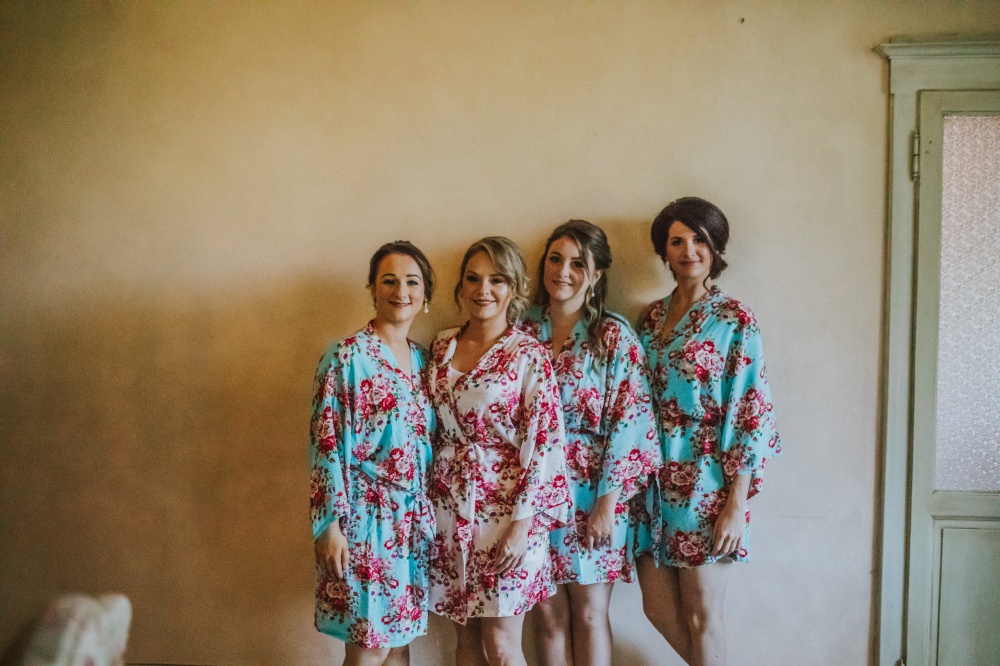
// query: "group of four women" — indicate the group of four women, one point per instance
point(540, 452)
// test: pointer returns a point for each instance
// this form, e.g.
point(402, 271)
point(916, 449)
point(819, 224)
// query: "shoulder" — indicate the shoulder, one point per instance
point(442, 340)
point(733, 312)
point(652, 314)
point(419, 350)
point(532, 322)
point(523, 345)
point(617, 326)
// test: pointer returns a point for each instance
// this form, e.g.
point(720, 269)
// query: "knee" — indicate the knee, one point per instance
point(696, 616)
point(548, 620)
point(588, 617)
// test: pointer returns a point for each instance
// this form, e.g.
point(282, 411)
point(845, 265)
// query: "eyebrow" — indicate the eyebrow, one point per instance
point(394, 275)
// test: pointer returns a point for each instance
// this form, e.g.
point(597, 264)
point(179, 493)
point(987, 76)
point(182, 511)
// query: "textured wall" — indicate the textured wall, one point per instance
point(188, 196)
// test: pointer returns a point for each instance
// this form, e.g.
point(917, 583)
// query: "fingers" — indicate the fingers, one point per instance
point(507, 561)
point(595, 539)
point(340, 563)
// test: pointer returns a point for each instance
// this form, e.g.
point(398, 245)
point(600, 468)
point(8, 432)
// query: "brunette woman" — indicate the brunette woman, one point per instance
point(611, 445)
point(499, 477)
point(717, 432)
point(373, 524)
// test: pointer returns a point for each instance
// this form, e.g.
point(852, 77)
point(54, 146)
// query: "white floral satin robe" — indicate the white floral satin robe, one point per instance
point(498, 457)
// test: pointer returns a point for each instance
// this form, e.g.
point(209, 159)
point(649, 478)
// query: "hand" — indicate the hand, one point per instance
point(601, 522)
point(512, 547)
point(729, 528)
point(331, 551)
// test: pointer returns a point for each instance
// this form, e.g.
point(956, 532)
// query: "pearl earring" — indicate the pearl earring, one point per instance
point(426, 309)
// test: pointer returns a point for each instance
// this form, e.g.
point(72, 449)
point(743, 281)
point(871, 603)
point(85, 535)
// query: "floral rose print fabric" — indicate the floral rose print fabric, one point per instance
point(498, 457)
point(715, 417)
point(611, 442)
point(370, 455)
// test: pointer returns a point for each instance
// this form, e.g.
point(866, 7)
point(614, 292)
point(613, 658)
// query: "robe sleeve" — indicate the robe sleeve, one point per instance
point(632, 450)
point(543, 492)
point(749, 437)
point(330, 436)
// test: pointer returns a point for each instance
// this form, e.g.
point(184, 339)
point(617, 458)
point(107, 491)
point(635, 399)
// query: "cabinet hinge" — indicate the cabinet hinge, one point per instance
point(914, 171)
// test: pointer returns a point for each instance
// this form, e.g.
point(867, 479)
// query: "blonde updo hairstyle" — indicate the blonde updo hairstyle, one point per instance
point(509, 262)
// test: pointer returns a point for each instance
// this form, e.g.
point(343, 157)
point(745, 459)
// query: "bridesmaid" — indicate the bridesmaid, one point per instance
point(717, 432)
point(499, 477)
point(373, 524)
point(611, 446)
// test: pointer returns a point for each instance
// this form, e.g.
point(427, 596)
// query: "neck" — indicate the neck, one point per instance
point(689, 291)
point(565, 313)
point(485, 330)
point(392, 334)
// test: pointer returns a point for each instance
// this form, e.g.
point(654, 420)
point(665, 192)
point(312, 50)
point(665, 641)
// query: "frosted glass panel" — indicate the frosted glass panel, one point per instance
point(968, 389)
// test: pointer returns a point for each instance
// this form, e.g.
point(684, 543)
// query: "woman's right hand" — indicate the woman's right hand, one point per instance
point(331, 551)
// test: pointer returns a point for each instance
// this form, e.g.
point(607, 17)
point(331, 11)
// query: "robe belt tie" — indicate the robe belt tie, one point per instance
point(422, 525)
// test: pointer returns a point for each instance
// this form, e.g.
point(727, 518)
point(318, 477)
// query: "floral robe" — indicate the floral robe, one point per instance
point(714, 410)
point(498, 457)
point(611, 442)
point(371, 453)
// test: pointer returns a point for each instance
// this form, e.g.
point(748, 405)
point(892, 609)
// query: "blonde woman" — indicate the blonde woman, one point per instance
point(499, 474)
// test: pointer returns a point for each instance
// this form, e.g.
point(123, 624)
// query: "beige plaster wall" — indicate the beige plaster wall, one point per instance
point(189, 193)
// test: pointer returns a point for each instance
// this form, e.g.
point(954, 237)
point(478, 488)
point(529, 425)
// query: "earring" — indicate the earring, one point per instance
point(426, 309)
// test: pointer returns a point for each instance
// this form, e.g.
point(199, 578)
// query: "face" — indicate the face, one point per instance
point(398, 289)
point(688, 254)
point(567, 275)
point(485, 293)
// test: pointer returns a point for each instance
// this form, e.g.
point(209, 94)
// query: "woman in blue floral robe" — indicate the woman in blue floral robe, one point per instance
point(611, 440)
point(371, 453)
point(716, 428)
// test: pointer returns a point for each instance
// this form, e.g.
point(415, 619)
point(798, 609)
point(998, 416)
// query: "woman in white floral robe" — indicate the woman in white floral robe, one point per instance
point(499, 475)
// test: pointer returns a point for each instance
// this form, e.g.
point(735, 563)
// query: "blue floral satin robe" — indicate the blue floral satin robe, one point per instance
point(716, 421)
point(611, 442)
point(371, 454)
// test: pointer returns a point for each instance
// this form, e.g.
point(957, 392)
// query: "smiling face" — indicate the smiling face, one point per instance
point(398, 289)
point(688, 253)
point(567, 275)
point(485, 293)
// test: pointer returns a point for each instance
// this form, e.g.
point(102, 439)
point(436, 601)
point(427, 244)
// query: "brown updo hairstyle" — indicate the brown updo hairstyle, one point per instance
point(410, 250)
point(700, 216)
point(592, 243)
point(509, 262)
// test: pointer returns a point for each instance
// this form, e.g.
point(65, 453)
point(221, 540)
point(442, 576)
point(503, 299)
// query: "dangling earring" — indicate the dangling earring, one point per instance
point(426, 309)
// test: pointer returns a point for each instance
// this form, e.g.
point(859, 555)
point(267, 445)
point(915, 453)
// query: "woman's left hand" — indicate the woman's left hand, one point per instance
point(512, 547)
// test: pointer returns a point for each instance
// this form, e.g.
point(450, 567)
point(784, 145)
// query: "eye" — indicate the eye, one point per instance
point(700, 240)
point(469, 277)
point(389, 281)
point(498, 280)
point(413, 283)
point(579, 264)
point(675, 241)
point(553, 259)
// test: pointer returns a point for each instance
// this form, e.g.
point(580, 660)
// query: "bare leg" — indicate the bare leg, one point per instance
point(355, 655)
point(591, 627)
point(469, 650)
point(399, 656)
point(661, 601)
point(551, 622)
point(703, 593)
point(502, 640)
